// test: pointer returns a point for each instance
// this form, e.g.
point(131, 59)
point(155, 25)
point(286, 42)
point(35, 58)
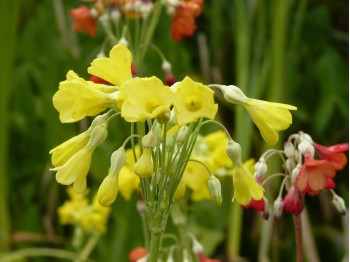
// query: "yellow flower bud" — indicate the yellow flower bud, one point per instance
point(98, 136)
point(118, 160)
point(149, 140)
point(144, 166)
point(108, 190)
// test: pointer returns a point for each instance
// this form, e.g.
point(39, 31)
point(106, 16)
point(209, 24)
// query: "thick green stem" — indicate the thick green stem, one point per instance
point(155, 246)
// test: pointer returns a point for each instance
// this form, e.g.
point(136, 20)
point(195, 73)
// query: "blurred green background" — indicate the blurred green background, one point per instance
point(295, 52)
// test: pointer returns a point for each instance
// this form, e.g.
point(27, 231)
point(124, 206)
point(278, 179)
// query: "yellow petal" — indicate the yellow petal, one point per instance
point(193, 100)
point(145, 98)
point(116, 69)
point(269, 118)
point(66, 150)
point(128, 182)
point(108, 190)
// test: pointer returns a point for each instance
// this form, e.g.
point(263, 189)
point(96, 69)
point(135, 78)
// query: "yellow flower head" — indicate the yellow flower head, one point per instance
point(77, 98)
point(62, 153)
point(193, 100)
point(116, 69)
point(145, 98)
point(245, 186)
point(269, 118)
point(196, 177)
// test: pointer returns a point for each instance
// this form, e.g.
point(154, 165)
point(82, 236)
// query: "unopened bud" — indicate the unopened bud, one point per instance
point(197, 247)
point(172, 121)
point(149, 140)
point(260, 170)
point(289, 149)
point(215, 190)
point(305, 137)
point(339, 204)
point(108, 190)
point(181, 135)
point(170, 141)
point(123, 41)
point(144, 166)
point(290, 164)
point(166, 66)
point(233, 94)
point(295, 173)
point(306, 147)
point(98, 136)
point(266, 212)
point(234, 152)
point(278, 208)
point(118, 160)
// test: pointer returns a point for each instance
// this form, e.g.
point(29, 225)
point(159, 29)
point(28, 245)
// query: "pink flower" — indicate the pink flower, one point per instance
point(258, 205)
point(314, 175)
point(333, 154)
point(293, 202)
point(84, 21)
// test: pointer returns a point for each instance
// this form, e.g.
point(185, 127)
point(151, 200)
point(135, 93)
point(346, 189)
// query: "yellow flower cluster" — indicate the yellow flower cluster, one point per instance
point(78, 211)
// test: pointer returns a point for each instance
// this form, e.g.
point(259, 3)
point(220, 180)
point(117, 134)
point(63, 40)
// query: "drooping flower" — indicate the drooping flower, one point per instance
point(77, 98)
point(193, 100)
point(257, 205)
point(196, 178)
point(267, 116)
point(84, 21)
point(145, 98)
point(245, 186)
point(116, 69)
point(313, 175)
point(333, 154)
point(293, 202)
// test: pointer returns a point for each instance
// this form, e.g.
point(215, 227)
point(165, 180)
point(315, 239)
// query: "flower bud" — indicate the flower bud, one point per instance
point(234, 152)
point(278, 208)
point(149, 140)
point(266, 212)
point(144, 166)
point(181, 135)
point(98, 136)
point(170, 141)
point(233, 94)
point(306, 147)
point(108, 190)
point(260, 170)
point(290, 164)
point(197, 247)
point(295, 173)
point(215, 190)
point(289, 149)
point(339, 204)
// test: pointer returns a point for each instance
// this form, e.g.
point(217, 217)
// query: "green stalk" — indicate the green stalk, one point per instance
point(242, 122)
point(154, 247)
point(8, 29)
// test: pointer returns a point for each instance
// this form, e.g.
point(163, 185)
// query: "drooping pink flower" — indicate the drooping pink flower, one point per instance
point(292, 202)
point(84, 21)
point(333, 154)
point(313, 175)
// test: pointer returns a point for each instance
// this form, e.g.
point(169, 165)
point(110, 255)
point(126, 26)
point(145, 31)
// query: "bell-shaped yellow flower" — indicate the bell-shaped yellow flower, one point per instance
point(77, 98)
point(116, 69)
point(193, 100)
point(245, 186)
point(108, 190)
point(144, 166)
point(269, 118)
point(145, 98)
point(75, 168)
point(66, 150)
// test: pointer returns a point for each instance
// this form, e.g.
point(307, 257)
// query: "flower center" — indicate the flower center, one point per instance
point(151, 106)
point(192, 103)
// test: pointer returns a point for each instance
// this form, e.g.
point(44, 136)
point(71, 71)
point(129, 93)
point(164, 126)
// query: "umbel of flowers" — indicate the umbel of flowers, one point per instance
point(165, 122)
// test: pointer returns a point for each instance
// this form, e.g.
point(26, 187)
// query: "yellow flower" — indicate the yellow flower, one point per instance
point(77, 98)
point(116, 69)
point(245, 186)
point(75, 170)
point(128, 182)
point(192, 101)
point(269, 118)
point(62, 153)
point(145, 98)
point(196, 177)
point(180, 190)
point(144, 166)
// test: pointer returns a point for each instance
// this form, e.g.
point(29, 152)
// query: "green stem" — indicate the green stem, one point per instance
point(89, 247)
point(154, 246)
point(38, 252)
point(8, 29)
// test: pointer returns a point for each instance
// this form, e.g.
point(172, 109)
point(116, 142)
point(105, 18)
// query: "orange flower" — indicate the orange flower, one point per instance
point(184, 18)
point(137, 253)
point(314, 175)
point(84, 21)
point(333, 154)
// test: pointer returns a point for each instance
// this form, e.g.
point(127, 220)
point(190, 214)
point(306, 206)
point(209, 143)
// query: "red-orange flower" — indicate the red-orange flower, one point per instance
point(313, 175)
point(293, 202)
point(204, 258)
point(258, 205)
point(184, 19)
point(84, 21)
point(137, 253)
point(333, 154)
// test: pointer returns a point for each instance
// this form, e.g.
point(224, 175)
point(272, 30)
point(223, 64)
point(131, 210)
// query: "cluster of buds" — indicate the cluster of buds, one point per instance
point(309, 168)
